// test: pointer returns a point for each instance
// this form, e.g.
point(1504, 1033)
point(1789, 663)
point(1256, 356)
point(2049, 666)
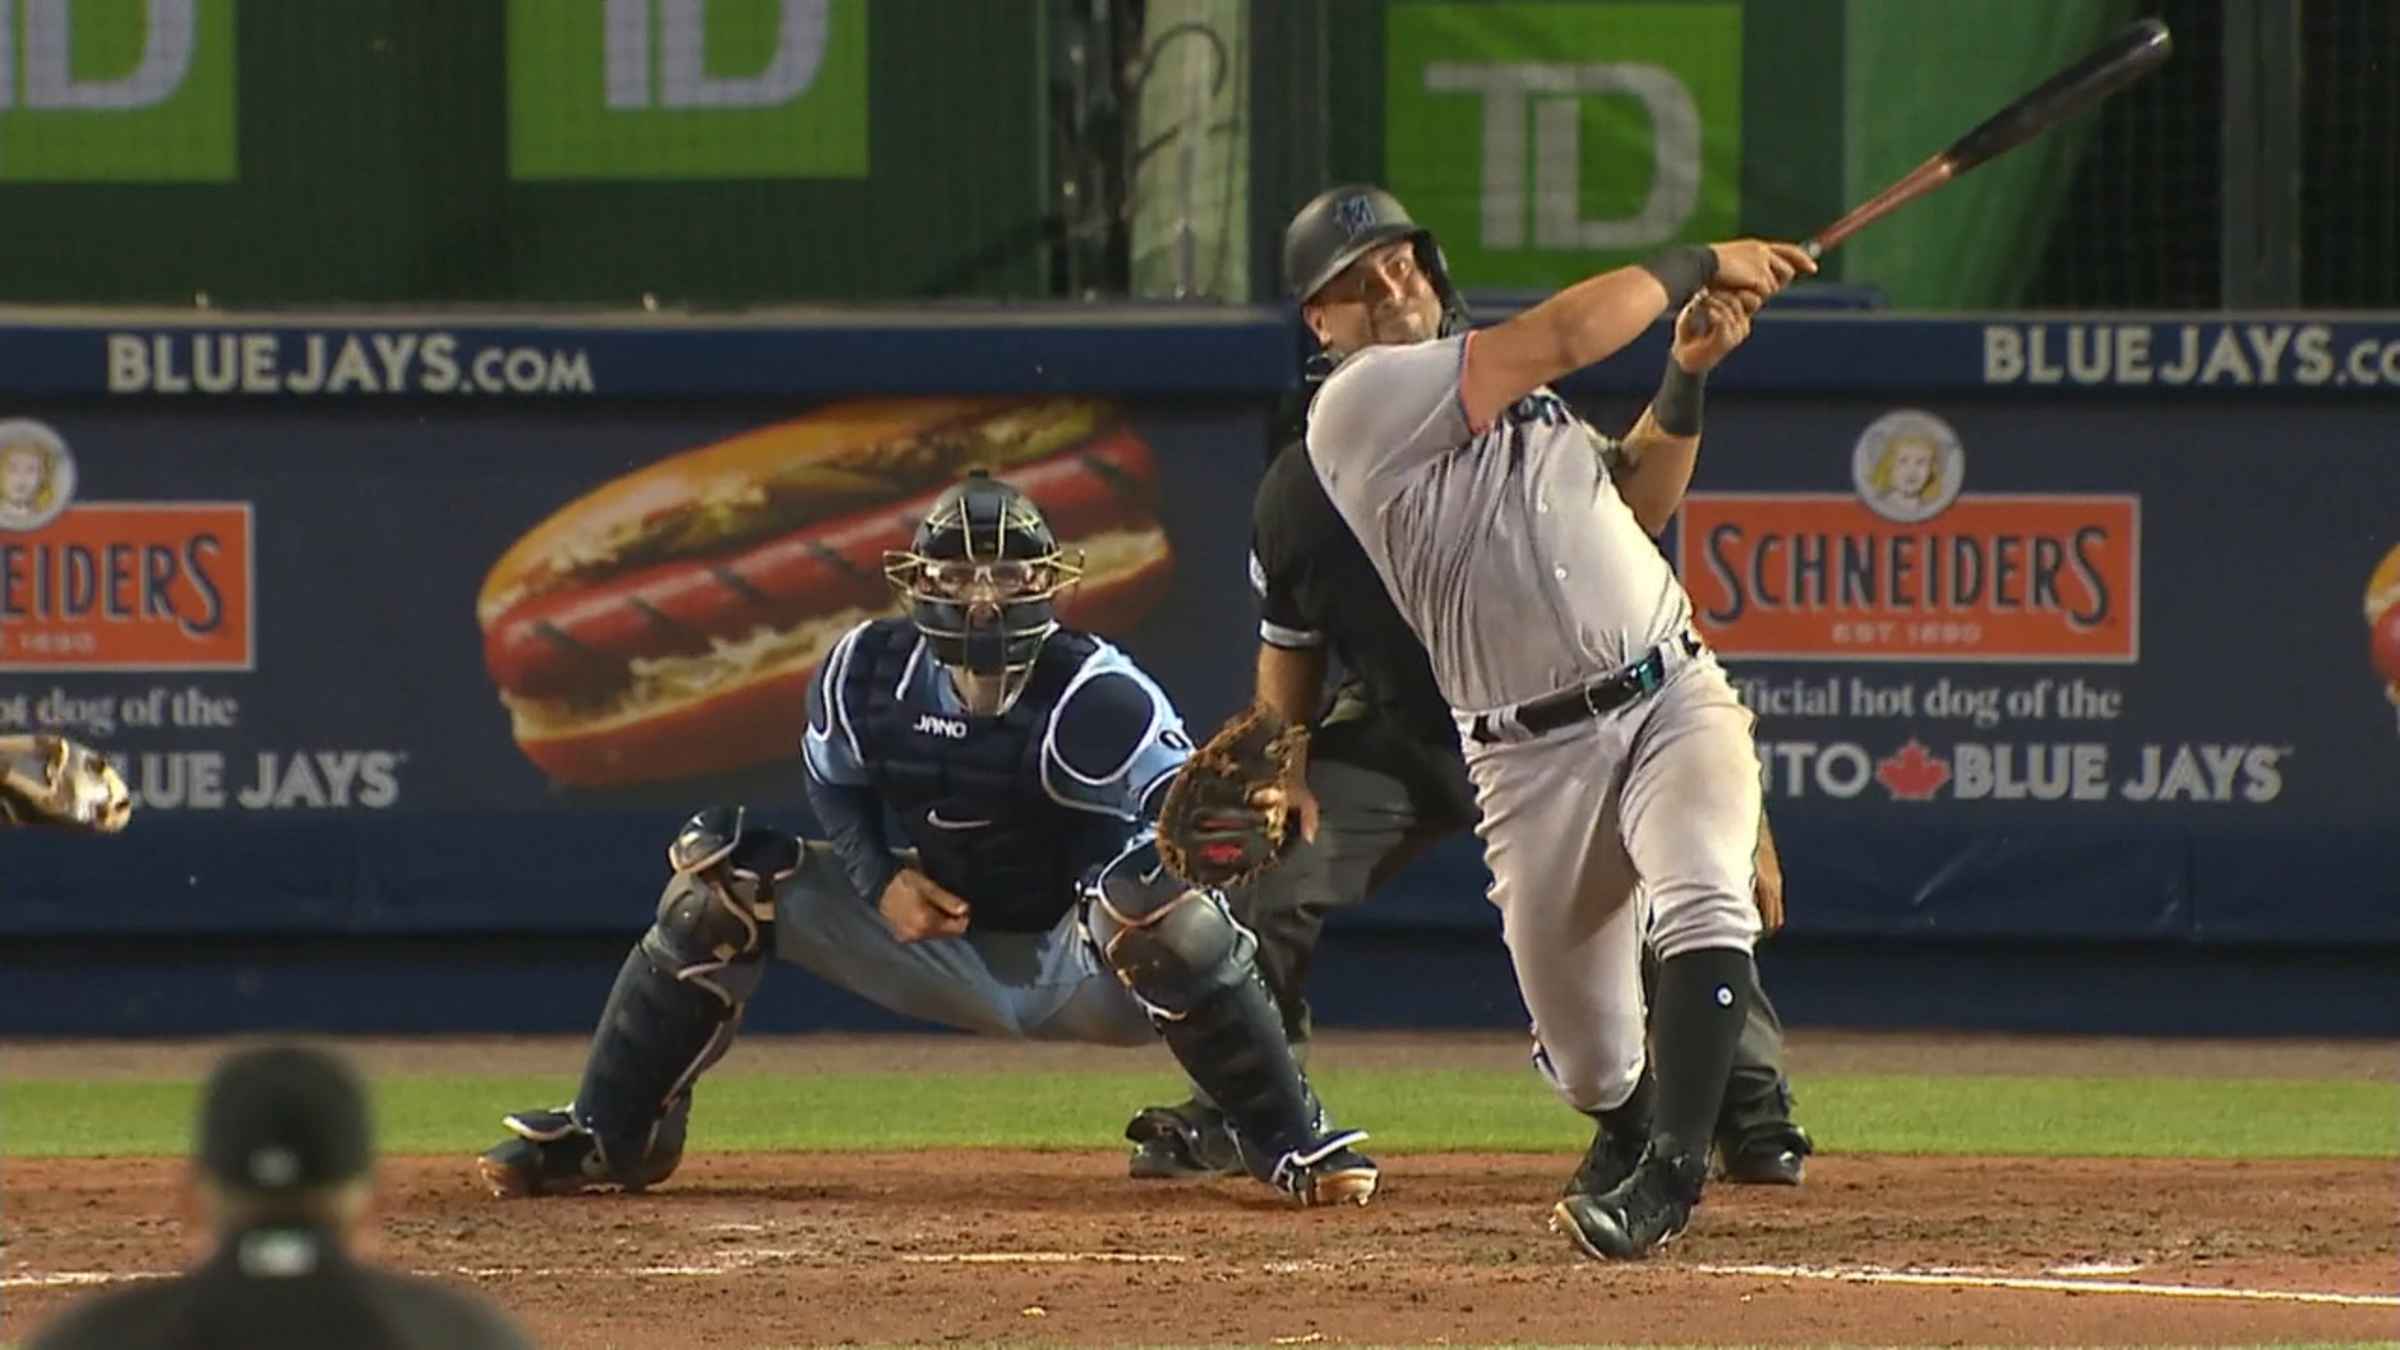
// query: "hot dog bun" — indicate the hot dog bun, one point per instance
point(666, 624)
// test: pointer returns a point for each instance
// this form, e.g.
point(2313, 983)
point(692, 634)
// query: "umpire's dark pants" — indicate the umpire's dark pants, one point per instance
point(1384, 797)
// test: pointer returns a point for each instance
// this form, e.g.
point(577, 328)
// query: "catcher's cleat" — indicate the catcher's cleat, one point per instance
point(1329, 1173)
point(1772, 1157)
point(547, 1153)
point(1641, 1214)
point(1182, 1141)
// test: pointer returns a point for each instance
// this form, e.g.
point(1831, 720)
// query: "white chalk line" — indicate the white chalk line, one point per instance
point(1872, 1275)
point(737, 1262)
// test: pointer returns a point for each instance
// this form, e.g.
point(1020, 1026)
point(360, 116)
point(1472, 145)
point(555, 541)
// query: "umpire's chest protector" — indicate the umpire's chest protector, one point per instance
point(969, 791)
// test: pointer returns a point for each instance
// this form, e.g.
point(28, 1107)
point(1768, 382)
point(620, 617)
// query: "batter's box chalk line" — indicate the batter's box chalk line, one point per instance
point(1041, 1258)
point(1878, 1275)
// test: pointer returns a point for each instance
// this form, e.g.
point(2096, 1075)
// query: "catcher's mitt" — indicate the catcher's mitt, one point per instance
point(1214, 828)
point(50, 780)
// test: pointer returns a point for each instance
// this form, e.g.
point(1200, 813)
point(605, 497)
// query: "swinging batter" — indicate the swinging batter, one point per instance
point(1612, 762)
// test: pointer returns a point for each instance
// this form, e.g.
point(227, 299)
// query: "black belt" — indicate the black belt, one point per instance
point(1548, 713)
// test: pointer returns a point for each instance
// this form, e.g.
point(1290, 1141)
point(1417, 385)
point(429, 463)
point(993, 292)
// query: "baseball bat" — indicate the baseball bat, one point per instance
point(2132, 54)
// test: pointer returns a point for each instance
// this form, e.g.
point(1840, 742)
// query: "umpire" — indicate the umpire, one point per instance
point(1388, 778)
point(283, 1177)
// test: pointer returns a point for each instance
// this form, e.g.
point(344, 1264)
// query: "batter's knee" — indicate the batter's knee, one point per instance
point(1599, 1076)
point(1703, 918)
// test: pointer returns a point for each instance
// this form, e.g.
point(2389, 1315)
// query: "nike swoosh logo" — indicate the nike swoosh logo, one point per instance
point(934, 818)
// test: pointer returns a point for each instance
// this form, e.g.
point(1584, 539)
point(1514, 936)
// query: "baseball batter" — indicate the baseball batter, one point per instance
point(1613, 765)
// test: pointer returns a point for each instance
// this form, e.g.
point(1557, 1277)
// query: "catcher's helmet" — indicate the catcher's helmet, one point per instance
point(1342, 223)
point(981, 580)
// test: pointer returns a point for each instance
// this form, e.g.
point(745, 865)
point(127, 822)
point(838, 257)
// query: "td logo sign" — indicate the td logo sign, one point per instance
point(1545, 141)
point(127, 91)
point(687, 88)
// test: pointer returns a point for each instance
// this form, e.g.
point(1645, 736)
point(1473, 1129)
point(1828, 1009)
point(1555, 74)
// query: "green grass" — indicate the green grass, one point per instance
point(1409, 1111)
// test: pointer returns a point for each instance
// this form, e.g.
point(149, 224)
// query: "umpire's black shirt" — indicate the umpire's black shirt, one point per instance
point(282, 1286)
point(1317, 589)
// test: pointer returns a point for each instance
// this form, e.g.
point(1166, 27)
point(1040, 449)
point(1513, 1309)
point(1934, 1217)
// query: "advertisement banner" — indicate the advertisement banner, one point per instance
point(459, 672)
point(1544, 141)
point(376, 661)
point(2039, 671)
point(687, 89)
point(1252, 352)
point(117, 91)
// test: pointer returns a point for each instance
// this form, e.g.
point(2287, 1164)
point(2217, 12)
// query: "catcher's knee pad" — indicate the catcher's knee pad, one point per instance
point(678, 998)
point(1174, 945)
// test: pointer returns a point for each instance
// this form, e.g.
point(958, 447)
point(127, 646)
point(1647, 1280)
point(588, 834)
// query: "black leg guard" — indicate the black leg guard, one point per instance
point(678, 998)
point(1180, 951)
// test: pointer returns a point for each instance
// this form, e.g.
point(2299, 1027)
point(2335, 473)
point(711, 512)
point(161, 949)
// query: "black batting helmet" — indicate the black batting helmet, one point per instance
point(1342, 223)
point(981, 580)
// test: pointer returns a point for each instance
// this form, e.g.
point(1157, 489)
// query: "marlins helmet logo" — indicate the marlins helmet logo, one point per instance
point(1357, 215)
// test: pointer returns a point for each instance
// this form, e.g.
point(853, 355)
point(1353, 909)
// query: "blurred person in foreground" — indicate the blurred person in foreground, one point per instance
point(283, 1180)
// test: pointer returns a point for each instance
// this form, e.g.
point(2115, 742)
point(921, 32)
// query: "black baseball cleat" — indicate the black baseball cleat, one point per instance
point(1606, 1163)
point(547, 1153)
point(1643, 1213)
point(1327, 1172)
point(1183, 1141)
point(1770, 1157)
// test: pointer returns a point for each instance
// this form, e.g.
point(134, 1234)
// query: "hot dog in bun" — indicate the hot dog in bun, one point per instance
point(666, 624)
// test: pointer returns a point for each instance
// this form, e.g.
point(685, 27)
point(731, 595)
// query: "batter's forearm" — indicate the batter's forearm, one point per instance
point(1657, 471)
point(1587, 322)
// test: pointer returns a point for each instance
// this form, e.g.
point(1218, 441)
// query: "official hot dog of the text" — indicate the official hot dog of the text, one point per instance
point(330, 362)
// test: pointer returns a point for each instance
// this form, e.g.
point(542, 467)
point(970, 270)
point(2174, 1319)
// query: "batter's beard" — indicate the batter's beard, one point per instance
point(1403, 326)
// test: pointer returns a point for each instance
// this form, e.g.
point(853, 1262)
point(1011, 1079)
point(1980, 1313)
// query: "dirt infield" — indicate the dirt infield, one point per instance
point(983, 1246)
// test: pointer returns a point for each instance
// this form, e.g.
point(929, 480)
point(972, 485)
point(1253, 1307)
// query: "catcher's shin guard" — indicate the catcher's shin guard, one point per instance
point(1181, 952)
point(678, 998)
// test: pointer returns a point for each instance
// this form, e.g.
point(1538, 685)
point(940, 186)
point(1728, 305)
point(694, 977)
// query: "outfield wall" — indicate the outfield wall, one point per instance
point(2098, 677)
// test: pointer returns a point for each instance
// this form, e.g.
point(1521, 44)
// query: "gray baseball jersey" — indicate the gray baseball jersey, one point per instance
point(1510, 551)
point(1524, 573)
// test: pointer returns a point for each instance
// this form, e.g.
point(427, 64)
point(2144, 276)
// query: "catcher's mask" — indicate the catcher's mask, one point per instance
point(980, 581)
point(1342, 224)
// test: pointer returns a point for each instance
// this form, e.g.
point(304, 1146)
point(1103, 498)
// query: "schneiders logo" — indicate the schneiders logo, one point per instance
point(1910, 567)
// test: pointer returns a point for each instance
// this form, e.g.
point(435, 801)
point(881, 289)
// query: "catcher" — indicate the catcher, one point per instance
point(1023, 764)
point(50, 780)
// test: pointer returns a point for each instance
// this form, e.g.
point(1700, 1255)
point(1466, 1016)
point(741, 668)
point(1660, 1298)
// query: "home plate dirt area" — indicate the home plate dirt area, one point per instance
point(987, 1246)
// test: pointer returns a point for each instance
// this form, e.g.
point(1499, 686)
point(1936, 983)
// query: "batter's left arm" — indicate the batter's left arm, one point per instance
point(1655, 459)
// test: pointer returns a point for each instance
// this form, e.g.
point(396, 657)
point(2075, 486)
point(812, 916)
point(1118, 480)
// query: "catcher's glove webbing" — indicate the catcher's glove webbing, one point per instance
point(1213, 830)
point(50, 780)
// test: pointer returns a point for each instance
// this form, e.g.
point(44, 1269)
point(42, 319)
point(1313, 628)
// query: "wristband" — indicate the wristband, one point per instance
point(1683, 270)
point(1676, 409)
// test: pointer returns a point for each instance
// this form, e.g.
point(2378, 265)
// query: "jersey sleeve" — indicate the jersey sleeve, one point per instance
point(1386, 410)
point(831, 746)
point(1114, 741)
point(1281, 623)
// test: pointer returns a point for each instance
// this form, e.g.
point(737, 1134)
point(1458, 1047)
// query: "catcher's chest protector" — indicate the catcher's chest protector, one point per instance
point(967, 791)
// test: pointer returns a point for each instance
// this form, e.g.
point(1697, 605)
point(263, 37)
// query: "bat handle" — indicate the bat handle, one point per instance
point(1813, 249)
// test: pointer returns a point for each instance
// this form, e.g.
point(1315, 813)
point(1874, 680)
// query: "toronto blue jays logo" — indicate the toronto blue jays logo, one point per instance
point(1357, 215)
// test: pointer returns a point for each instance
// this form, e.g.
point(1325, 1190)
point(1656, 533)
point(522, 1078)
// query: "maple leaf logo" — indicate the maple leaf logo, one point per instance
point(1912, 774)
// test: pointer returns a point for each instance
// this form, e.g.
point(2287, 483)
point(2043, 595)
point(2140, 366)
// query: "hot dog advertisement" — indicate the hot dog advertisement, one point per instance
point(665, 624)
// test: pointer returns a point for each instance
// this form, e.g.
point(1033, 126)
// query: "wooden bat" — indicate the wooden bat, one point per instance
point(2134, 53)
